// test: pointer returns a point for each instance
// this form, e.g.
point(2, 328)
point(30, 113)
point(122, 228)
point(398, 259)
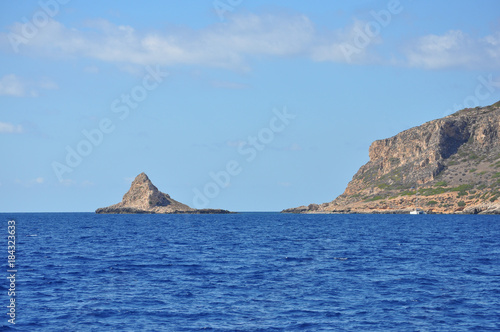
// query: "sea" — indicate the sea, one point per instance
point(252, 272)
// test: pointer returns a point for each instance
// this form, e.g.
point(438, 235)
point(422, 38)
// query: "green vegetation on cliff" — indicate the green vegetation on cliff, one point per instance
point(448, 165)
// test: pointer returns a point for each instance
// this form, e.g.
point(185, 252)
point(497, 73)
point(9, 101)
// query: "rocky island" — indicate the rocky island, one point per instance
point(448, 165)
point(144, 197)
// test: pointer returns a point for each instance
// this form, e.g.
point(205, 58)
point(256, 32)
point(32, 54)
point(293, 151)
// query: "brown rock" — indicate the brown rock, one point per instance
point(144, 197)
point(453, 162)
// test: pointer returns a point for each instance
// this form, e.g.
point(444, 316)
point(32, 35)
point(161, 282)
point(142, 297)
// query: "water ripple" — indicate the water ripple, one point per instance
point(257, 271)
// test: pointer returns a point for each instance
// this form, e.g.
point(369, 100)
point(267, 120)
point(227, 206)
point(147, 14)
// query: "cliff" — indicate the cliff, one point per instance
point(448, 165)
point(144, 197)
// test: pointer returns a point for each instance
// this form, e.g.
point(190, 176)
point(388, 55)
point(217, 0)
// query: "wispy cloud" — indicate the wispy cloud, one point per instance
point(13, 85)
point(454, 49)
point(243, 38)
point(9, 128)
point(294, 147)
point(31, 182)
point(229, 45)
point(73, 183)
point(91, 69)
point(235, 143)
point(333, 46)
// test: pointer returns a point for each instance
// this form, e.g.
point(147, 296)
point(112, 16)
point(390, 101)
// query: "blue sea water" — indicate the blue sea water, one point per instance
point(254, 272)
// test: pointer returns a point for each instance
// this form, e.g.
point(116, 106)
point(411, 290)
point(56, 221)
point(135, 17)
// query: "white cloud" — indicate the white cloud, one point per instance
point(350, 44)
point(13, 85)
point(68, 182)
point(30, 183)
point(294, 147)
point(235, 144)
point(91, 69)
point(229, 45)
point(9, 128)
point(454, 49)
point(237, 42)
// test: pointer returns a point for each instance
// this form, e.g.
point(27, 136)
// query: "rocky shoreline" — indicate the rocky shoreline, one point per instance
point(109, 210)
point(445, 166)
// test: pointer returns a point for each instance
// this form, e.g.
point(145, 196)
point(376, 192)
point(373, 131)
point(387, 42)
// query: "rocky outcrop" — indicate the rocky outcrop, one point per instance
point(144, 197)
point(448, 165)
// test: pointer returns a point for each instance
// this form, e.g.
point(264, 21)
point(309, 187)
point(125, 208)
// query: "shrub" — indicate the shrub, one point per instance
point(473, 156)
point(461, 203)
point(375, 198)
point(463, 187)
point(432, 191)
point(432, 203)
point(394, 161)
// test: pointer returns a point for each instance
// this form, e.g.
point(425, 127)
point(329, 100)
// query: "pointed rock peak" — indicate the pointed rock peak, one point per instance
point(142, 182)
point(144, 197)
point(144, 193)
point(141, 178)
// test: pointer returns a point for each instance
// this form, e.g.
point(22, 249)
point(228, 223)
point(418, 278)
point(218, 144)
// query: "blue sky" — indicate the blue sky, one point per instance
point(241, 105)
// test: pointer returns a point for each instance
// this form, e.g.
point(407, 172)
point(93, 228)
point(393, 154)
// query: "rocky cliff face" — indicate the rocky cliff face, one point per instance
point(448, 165)
point(144, 197)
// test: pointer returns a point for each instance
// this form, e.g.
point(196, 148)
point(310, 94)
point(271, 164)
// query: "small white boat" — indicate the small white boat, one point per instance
point(416, 210)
